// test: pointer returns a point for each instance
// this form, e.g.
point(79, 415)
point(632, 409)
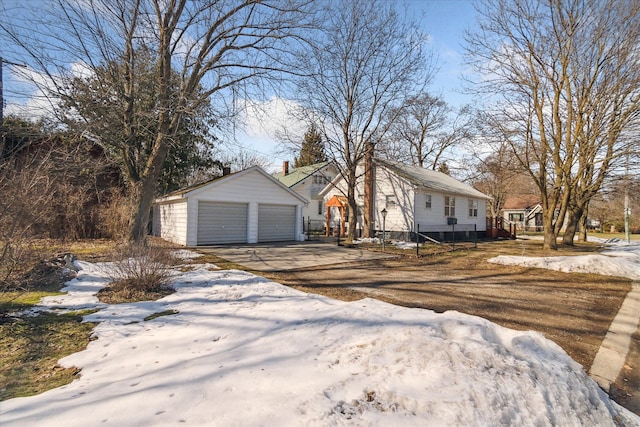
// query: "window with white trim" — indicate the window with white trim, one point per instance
point(320, 179)
point(320, 207)
point(449, 206)
point(473, 208)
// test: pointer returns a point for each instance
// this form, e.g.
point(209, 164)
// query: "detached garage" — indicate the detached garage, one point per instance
point(245, 207)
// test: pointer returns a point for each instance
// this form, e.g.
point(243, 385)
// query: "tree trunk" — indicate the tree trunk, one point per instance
point(145, 190)
point(550, 236)
point(573, 218)
point(582, 235)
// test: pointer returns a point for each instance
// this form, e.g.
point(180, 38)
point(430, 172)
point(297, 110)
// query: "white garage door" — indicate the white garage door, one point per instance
point(222, 223)
point(276, 223)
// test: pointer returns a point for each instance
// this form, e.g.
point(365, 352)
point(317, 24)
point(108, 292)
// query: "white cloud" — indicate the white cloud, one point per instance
point(34, 93)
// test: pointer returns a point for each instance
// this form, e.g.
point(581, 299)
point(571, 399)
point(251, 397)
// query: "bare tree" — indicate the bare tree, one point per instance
point(366, 62)
point(216, 48)
point(423, 130)
point(499, 176)
point(565, 87)
point(241, 159)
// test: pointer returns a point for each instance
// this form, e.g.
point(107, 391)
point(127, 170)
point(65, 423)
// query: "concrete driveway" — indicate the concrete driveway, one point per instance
point(290, 255)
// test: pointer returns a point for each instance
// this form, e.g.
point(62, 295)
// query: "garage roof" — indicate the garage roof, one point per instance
point(197, 188)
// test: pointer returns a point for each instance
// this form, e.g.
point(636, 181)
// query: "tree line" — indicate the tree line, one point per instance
point(156, 84)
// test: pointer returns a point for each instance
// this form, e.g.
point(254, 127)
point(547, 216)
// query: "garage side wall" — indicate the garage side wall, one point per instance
point(170, 221)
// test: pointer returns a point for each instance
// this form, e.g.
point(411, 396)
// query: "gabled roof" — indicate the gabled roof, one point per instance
point(521, 201)
point(430, 179)
point(197, 188)
point(298, 174)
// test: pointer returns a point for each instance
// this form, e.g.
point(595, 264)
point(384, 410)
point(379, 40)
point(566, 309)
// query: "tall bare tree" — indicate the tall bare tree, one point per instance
point(366, 62)
point(423, 130)
point(565, 88)
point(216, 48)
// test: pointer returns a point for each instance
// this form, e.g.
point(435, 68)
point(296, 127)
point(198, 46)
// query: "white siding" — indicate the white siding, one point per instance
point(410, 205)
point(170, 221)
point(310, 191)
point(387, 186)
point(434, 219)
point(434, 216)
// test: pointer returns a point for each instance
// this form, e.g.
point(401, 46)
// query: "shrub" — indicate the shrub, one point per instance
point(140, 273)
point(115, 216)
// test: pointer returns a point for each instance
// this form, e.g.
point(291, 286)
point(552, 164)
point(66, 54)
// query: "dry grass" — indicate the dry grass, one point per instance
point(31, 348)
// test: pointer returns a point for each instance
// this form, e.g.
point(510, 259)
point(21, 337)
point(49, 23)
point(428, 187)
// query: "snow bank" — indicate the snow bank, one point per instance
point(619, 259)
point(245, 351)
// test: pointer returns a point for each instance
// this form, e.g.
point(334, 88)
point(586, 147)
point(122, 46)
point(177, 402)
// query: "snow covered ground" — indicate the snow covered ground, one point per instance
point(619, 259)
point(244, 351)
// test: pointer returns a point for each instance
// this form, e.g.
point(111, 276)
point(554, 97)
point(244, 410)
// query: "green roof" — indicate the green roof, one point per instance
point(296, 175)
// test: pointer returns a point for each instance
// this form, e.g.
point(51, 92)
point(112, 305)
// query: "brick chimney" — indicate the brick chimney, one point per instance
point(285, 168)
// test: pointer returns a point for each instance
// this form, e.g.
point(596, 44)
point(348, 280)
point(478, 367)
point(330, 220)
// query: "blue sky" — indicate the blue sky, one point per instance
point(444, 20)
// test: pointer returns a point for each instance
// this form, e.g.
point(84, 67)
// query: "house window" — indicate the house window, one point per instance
point(427, 203)
point(320, 207)
point(473, 208)
point(516, 217)
point(449, 206)
point(391, 202)
point(320, 180)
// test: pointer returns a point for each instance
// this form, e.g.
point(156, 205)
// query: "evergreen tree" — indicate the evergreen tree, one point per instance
point(92, 108)
point(312, 149)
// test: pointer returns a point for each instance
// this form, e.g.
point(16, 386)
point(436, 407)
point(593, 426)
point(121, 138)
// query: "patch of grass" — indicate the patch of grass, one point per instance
point(31, 348)
point(15, 301)
point(160, 314)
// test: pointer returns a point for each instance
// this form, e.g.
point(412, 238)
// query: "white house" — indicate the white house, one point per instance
point(308, 181)
point(524, 211)
point(249, 206)
point(414, 198)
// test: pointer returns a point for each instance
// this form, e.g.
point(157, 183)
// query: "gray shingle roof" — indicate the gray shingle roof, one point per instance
point(430, 179)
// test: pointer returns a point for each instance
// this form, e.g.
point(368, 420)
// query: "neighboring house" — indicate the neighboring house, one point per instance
point(524, 211)
point(308, 181)
point(415, 197)
point(249, 206)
